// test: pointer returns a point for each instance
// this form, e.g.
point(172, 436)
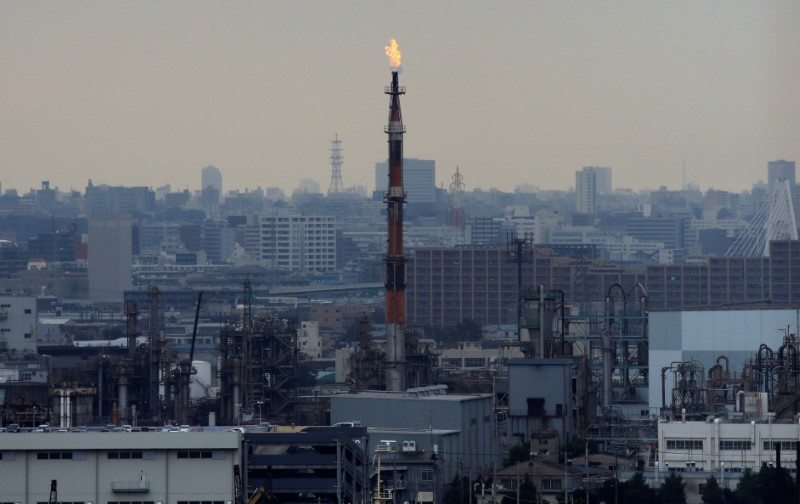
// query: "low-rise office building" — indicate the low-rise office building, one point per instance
point(725, 447)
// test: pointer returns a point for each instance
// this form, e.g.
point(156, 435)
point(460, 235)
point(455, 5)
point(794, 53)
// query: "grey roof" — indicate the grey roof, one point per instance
point(411, 396)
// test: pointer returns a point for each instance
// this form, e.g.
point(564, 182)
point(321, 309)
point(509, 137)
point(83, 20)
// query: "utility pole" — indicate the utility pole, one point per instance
point(470, 484)
point(616, 477)
point(586, 461)
point(566, 477)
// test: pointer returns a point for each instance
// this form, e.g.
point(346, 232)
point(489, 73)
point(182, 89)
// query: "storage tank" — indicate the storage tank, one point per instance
point(201, 381)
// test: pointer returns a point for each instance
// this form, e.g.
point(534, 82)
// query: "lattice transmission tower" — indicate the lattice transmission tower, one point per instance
point(336, 186)
point(458, 220)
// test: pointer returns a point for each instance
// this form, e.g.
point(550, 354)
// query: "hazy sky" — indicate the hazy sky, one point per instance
point(148, 93)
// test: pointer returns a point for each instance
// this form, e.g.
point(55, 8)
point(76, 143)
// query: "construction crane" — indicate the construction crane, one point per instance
point(184, 371)
point(257, 494)
point(237, 485)
point(53, 492)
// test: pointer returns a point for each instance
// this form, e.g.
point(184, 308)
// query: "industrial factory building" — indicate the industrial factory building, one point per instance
point(724, 449)
point(729, 338)
point(554, 407)
point(316, 463)
point(725, 446)
point(592, 355)
point(101, 467)
point(462, 427)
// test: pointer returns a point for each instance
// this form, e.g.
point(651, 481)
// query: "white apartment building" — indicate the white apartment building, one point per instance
point(18, 323)
point(586, 191)
point(296, 242)
point(308, 340)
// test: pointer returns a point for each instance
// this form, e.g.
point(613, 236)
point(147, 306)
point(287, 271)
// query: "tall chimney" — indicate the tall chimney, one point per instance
point(395, 197)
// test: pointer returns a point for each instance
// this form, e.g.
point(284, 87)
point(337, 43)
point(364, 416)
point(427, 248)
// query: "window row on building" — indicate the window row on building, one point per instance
point(475, 278)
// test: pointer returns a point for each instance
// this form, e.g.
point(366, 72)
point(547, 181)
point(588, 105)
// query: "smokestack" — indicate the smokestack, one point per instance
point(395, 197)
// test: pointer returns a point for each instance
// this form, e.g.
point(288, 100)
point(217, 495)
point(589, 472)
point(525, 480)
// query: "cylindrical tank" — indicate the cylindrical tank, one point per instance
point(530, 316)
point(201, 381)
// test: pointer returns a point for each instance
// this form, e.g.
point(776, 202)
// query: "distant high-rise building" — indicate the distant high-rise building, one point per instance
point(46, 197)
point(671, 230)
point(177, 199)
point(104, 199)
point(275, 194)
point(294, 242)
point(419, 179)
point(219, 239)
point(586, 191)
point(602, 178)
point(308, 186)
point(211, 177)
point(209, 197)
point(486, 231)
point(781, 170)
point(58, 246)
point(157, 237)
point(110, 256)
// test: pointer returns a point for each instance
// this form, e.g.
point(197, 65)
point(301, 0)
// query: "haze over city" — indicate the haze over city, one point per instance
point(148, 93)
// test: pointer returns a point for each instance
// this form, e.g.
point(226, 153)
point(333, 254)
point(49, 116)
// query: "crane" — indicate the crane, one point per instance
point(184, 371)
point(260, 491)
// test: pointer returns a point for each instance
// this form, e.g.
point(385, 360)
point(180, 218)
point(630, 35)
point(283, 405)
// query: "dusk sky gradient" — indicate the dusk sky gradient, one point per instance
point(148, 93)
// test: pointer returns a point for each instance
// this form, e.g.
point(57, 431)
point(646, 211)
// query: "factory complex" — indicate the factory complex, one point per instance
point(469, 371)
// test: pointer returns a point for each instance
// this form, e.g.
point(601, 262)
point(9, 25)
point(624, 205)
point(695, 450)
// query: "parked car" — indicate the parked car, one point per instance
point(352, 423)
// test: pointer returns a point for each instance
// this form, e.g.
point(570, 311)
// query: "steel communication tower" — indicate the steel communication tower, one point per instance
point(336, 186)
point(457, 215)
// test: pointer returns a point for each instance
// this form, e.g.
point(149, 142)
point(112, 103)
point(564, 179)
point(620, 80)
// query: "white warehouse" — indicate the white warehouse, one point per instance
point(102, 467)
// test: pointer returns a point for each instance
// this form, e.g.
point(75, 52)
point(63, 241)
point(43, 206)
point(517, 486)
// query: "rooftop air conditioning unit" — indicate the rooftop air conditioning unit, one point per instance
point(409, 446)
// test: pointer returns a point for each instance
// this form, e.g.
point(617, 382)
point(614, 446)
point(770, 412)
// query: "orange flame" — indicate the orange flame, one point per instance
point(394, 53)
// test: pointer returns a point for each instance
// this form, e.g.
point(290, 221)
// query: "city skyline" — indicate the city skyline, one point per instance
point(519, 93)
